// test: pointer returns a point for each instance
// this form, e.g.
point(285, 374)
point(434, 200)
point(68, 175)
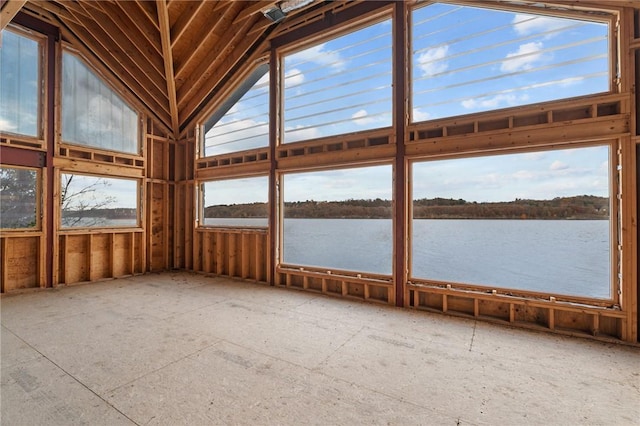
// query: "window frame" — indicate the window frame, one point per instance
point(227, 101)
point(93, 229)
point(39, 196)
point(610, 18)
point(614, 226)
point(43, 94)
point(124, 97)
point(279, 232)
point(200, 193)
point(334, 31)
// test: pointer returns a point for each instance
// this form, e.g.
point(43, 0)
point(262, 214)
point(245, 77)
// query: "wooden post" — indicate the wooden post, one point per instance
point(274, 126)
point(400, 123)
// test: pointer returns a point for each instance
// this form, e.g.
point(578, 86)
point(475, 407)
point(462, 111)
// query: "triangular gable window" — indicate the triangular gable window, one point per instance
point(242, 121)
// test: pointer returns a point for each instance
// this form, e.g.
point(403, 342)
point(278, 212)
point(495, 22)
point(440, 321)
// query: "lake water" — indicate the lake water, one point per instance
point(551, 256)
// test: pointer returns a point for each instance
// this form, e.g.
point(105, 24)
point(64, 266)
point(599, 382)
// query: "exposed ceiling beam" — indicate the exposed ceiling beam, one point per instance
point(54, 8)
point(184, 20)
point(139, 19)
point(212, 72)
point(165, 37)
point(9, 9)
point(150, 11)
point(135, 46)
point(218, 29)
point(255, 7)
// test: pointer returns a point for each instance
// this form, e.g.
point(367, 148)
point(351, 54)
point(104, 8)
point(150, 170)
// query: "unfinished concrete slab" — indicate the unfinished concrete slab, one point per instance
point(182, 348)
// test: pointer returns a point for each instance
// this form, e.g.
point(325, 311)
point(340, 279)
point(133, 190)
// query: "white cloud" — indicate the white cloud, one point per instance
point(7, 125)
point(299, 133)
point(362, 118)
point(569, 81)
point(495, 101)
point(534, 156)
point(293, 77)
point(558, 165)
point(419, 115)
point(523, 175)
point(525, 24)
point(317, 54)
point(237, 135)
point(432, 61)
point(522, 59)
point(263, 83)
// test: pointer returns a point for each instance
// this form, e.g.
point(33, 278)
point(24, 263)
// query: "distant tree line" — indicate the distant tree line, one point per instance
point(578, 207)
point(109, 213)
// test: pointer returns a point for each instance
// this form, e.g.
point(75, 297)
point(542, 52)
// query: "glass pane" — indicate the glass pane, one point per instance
point(236, 202)
point(19, 84)
point(339, 219)
point(538, 221)
point(98, 201)
point(340, 86)
point(18, 198)
point(469, 59)
point(92, 114)
point(243, 121)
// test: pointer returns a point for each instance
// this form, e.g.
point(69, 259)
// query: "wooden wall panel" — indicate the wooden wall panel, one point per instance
point(232, 252)
point(123, 261)
point(101, 256)
point(20, 263)
point(156, 230)
point(76, 259)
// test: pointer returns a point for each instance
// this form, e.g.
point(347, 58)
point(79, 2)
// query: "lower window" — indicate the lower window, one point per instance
point(98, 201)
point(19, 195)
point(538, 221)
point(235, 202)
point(339, 219)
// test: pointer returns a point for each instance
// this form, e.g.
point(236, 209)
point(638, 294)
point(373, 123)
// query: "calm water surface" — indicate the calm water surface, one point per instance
point(554, 256)
point(551, 256)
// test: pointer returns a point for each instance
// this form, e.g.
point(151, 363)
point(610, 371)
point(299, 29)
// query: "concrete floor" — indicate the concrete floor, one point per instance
point(180, 348)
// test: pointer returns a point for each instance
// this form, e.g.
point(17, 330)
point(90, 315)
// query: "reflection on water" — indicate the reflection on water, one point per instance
point(551, 256)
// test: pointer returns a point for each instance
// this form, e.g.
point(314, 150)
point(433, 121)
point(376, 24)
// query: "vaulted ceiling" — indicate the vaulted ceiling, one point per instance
point(172, 54)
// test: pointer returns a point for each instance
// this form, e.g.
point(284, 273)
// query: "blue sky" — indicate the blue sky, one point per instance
point(464, 60)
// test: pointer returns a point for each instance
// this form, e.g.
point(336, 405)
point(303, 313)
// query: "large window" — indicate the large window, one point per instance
point(537, 221)
point(20, 84)
point(98, 201)
point(339, 219)
point(19, 198)
point(340, 86)
point(469, 59)
point(235, 202)
point(92, 113)
point(242, 122)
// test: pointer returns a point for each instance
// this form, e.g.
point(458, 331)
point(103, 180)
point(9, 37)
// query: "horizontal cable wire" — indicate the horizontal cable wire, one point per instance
point(515, 73)
point(332, 75)
point(524, 55)
point(511, 90)
point(330, 123)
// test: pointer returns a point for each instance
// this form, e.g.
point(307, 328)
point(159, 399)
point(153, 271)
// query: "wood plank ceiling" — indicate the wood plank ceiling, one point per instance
point(171, 54)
